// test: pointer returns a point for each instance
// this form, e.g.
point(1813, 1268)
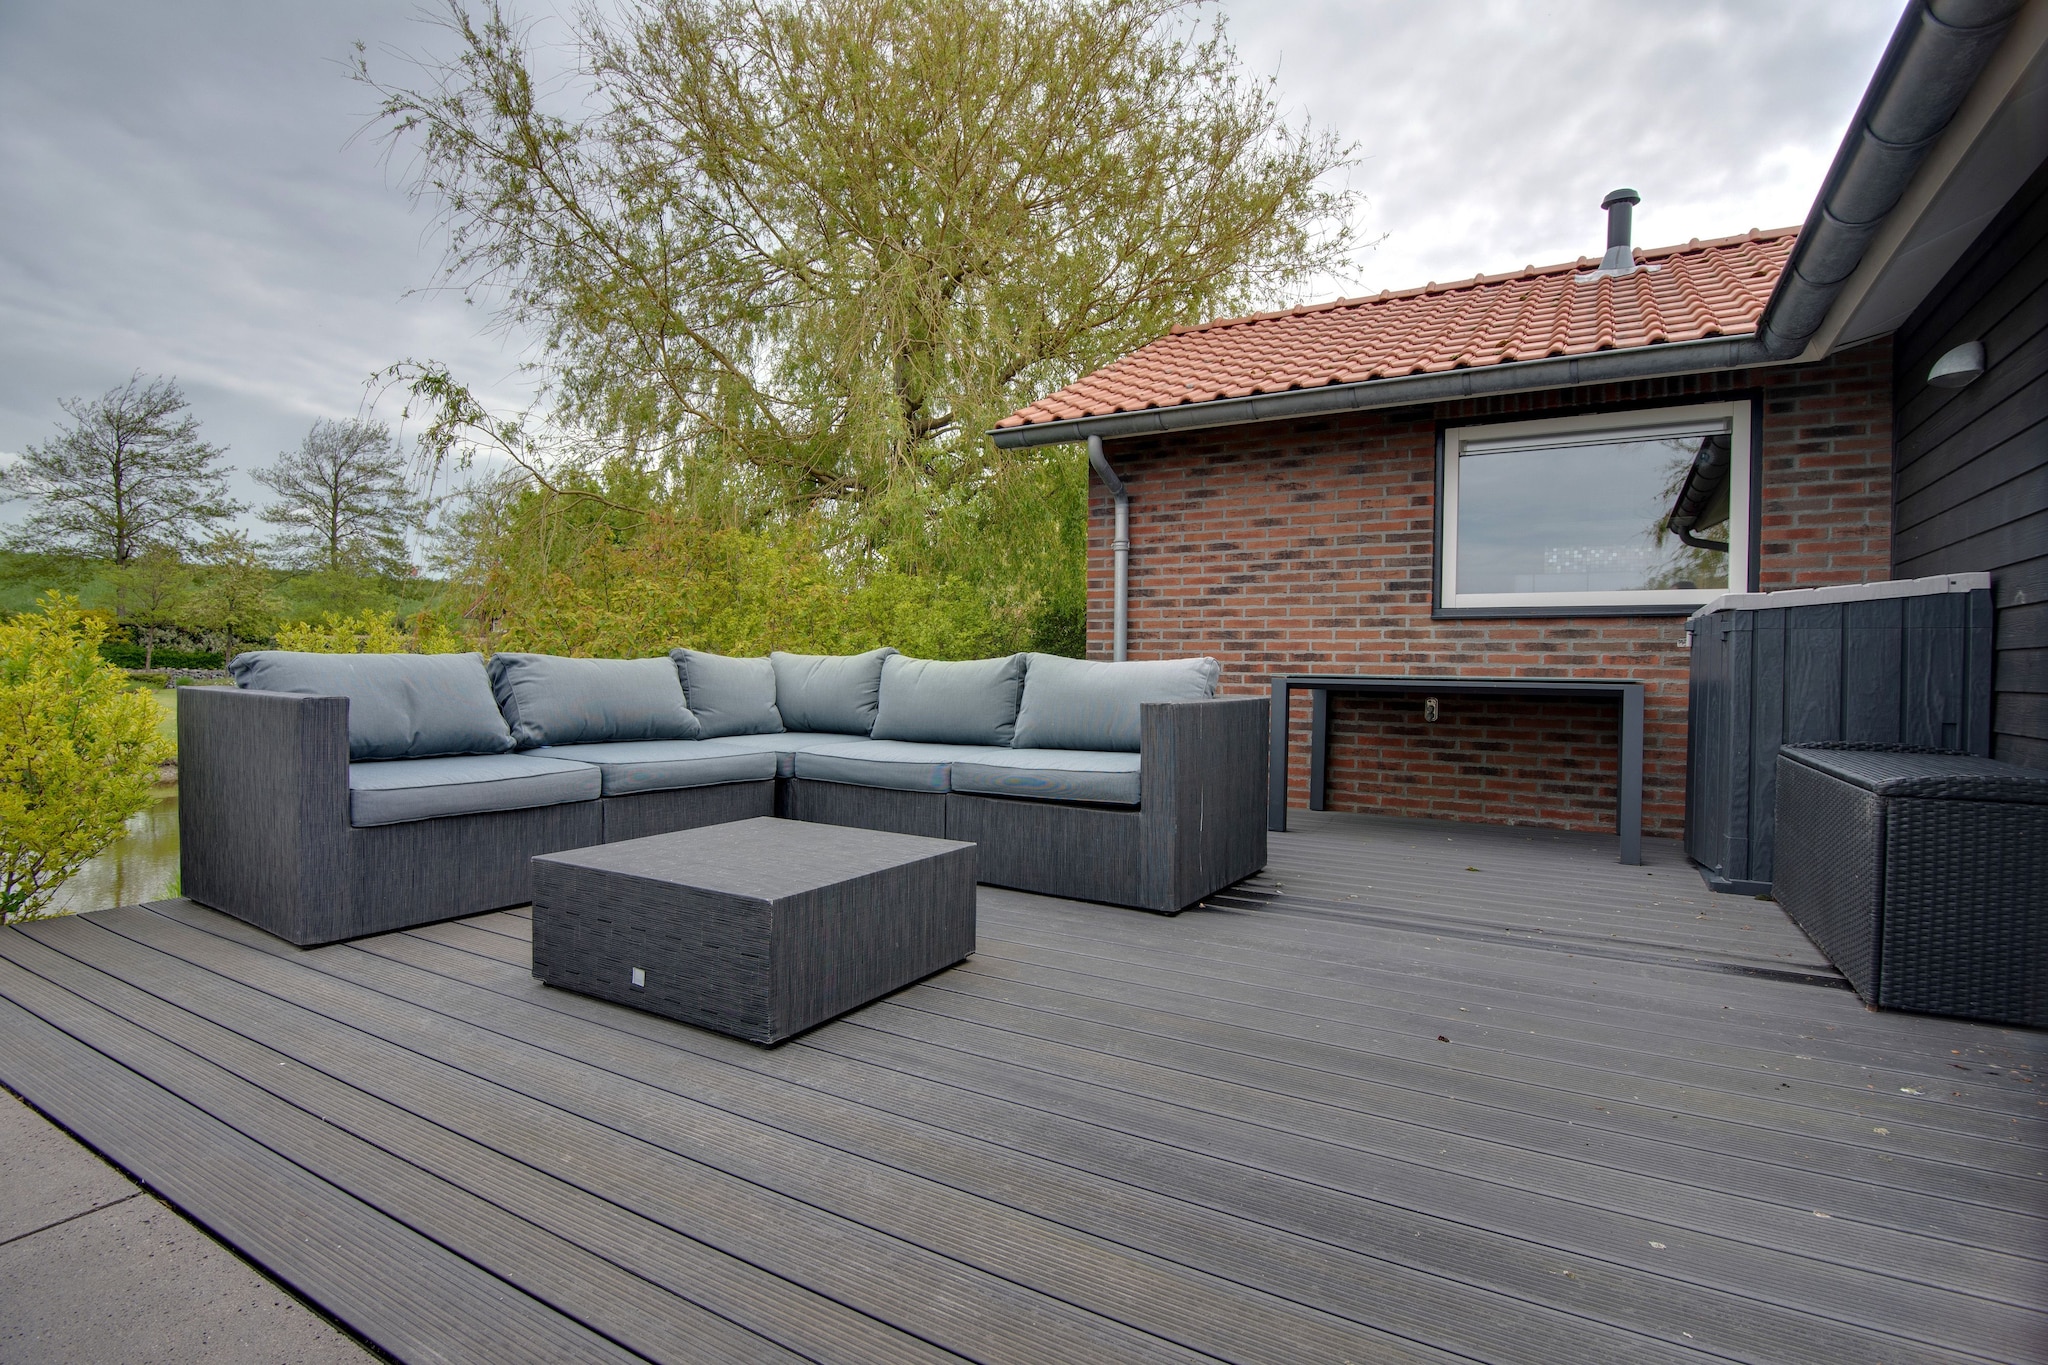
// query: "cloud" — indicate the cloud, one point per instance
point(188, 193)
point(1488, 130)
point(189, 198)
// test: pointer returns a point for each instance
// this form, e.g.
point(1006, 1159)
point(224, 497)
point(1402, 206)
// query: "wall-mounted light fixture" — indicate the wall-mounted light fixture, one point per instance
point(1958, 367)
point(1430, 710)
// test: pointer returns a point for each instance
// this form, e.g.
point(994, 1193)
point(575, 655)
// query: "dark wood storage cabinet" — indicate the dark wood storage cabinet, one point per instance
point(1877, 663)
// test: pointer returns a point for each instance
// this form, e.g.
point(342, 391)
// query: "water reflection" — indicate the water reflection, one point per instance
point(139, 866)
point(142, 864)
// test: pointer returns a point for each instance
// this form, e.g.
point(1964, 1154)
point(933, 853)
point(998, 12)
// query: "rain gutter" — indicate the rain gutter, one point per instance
point(1601, 367)
point(1935, 56)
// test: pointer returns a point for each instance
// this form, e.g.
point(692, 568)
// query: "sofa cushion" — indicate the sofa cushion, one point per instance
point(1052, 775)
point(653, 765)
point(829, 693)
point(787, 745)
point(730, 696)
point(896, 764)
point(399, 705)
point(422, 788)
point(548, 699)
point(1085, 704)
point(928, 702)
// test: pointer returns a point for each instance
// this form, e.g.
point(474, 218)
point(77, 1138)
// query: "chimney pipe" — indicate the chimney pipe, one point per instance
point(1620, 257)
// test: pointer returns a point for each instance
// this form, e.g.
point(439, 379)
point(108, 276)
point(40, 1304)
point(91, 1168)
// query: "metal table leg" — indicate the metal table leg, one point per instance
point(1276, 776)
point(1629, 817)
point(1319, 749)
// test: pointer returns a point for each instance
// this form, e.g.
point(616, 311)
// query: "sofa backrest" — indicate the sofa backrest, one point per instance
point(1085, 704)
point(973, 702)
point(549, 699)
point(729, 696)
point(399, 705)
point(834, 694)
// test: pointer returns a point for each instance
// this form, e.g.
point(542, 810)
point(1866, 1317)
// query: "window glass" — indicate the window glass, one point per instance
point(1582, 516)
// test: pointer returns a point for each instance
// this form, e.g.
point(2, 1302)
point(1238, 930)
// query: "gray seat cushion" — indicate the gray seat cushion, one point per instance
point(652, 765)
point(898, 765)
point(1052, 775)
point(730, 696)
point(399, 705)
point(1085, 704)
point(829, 693)
point(400, 791)
point(548, 699)
point(928, 702)
point(787, 745)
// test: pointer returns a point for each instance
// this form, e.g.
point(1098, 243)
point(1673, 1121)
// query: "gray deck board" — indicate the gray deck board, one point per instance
point(1418, 1092)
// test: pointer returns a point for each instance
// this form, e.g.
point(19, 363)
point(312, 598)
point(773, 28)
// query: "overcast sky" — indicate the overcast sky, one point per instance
point(186, 193)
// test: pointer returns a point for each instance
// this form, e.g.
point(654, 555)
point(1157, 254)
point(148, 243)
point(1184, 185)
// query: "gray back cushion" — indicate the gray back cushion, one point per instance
point(949, 703)
point(548, 699)
point(829, 693)
point(1081, 704)
point(730, 696)
point(399, 705)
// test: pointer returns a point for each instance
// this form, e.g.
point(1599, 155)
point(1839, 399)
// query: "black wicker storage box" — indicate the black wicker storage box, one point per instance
point(760, 928)
point(1923, 875)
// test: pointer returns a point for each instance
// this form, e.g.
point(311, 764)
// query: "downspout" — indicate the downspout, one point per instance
point(1120, 546)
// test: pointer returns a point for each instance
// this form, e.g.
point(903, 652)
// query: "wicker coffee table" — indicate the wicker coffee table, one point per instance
point(759, 928)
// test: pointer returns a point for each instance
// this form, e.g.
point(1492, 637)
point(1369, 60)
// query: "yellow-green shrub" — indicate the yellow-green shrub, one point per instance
point(78, 751)
point(369, 632)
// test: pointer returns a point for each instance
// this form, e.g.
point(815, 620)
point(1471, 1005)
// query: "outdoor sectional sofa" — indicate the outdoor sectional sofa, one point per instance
point(327, 797)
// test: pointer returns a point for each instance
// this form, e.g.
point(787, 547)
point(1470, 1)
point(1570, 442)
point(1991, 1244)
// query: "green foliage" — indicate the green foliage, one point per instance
point(235, 601)
point(163, 612)
point(121, 654)
point(78, 752)
point(791, 265)
point(130, 472)
point(370, 632)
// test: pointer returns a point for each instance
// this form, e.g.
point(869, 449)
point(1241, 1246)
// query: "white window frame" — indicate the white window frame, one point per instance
point(1572, 430)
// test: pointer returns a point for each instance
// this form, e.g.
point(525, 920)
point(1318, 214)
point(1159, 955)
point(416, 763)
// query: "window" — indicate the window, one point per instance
point(1616, 512)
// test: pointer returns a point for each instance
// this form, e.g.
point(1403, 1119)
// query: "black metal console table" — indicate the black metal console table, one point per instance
point(1628, 697)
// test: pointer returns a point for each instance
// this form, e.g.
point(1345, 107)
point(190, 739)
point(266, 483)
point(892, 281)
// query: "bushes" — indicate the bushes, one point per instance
point(369, 632)
point(121, 654)
point(78, 751)
point(734, 592)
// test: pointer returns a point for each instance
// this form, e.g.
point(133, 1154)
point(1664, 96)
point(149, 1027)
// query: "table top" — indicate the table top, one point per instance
point(763, 858)
point(1393, 682)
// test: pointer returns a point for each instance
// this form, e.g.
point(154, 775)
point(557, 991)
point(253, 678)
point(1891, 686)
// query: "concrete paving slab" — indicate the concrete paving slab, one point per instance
point(45, 1176)
point(111, 1276)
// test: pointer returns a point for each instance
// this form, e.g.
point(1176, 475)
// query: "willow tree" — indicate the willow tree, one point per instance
point(799, 255)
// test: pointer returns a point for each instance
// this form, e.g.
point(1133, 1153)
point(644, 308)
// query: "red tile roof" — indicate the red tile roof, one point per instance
point(1682, 293)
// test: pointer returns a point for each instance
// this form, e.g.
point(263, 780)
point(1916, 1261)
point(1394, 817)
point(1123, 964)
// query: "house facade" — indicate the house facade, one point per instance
point(1541, 474)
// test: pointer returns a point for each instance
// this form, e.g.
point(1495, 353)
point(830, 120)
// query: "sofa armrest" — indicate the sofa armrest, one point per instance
point(263, 805)
point(1202, 795)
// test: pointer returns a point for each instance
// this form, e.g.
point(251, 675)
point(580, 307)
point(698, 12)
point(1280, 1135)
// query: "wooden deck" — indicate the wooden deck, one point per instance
point(1420, 1092)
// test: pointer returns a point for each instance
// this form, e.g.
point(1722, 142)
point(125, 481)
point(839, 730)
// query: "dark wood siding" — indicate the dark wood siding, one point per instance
point(1970, 471)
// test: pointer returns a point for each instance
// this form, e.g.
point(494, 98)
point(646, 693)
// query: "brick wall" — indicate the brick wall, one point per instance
point(1305, 546)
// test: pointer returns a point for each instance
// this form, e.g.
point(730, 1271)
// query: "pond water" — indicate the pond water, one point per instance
point(141, 865)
